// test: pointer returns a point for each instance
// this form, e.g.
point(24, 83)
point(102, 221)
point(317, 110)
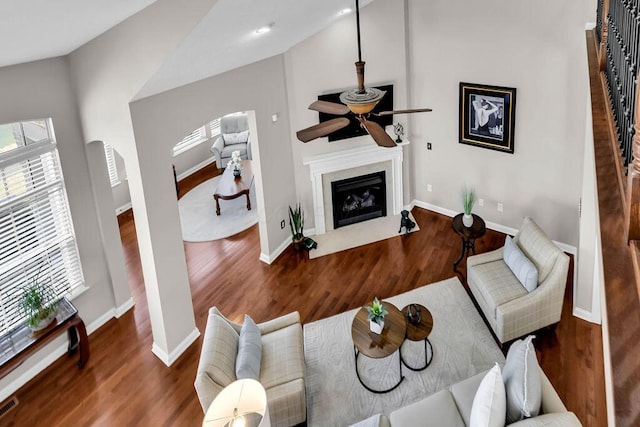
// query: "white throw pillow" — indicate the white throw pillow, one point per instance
point(522, 381)
point(520, 265)
point(235, 138)
point(249, 354)
point(490, 402)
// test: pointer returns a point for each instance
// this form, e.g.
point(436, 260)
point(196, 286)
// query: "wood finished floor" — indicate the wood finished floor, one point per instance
point(124, 384)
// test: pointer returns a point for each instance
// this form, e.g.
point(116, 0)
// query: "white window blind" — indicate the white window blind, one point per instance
point(36, 234)
point(190, 140)
point(214, 127)
point(111, 165)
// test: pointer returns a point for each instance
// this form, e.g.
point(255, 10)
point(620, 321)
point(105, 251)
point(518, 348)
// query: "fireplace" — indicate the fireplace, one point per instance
point(359, 199)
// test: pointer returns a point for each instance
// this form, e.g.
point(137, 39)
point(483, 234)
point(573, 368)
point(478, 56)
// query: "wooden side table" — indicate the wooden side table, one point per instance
point(420, 332)
point(377, 346)
point(468, 235)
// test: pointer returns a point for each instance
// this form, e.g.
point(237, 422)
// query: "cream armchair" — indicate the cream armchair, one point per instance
point(282, 367)
point(509, 308)
point(234, 136)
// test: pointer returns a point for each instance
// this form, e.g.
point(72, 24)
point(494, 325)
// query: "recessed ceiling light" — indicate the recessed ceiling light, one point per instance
point(345, 11)
point(265, 29)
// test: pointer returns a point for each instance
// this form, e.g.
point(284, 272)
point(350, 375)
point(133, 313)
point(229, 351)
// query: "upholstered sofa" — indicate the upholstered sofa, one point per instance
point(452, 408)
point(234, 136)
point(282, 366)
point(510, 309)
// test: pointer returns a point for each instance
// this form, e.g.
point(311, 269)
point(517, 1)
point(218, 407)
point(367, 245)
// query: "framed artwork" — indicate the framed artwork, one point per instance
point(487, 116)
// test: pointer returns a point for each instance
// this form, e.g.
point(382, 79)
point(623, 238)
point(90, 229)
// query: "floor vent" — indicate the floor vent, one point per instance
point(8, 406)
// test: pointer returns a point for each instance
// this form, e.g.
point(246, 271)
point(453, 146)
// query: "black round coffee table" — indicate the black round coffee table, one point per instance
point(468, 235)
point(420, 332)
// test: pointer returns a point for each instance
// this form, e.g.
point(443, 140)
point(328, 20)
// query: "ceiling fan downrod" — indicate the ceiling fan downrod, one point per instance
point(360, 63)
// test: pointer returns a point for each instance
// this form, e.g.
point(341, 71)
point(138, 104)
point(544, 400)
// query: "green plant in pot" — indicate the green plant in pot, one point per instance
point(377, 312)
point(468, 200)
point(39, 303)
point(296, 222)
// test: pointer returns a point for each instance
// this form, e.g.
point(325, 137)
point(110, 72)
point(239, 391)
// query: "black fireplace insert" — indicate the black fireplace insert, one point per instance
point(359, 199)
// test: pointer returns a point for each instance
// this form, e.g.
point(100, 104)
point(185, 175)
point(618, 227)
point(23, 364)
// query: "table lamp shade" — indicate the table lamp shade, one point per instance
point(242, 403)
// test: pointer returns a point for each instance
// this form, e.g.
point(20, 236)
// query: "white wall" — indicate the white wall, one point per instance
point(324, 63)
point(38, 90)
point(538, 47)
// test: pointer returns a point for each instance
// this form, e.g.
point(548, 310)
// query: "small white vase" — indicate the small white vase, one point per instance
point(375, 327)
point(467, 220)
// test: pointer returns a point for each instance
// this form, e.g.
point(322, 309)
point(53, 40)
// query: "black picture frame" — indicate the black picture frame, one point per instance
point(495, 107)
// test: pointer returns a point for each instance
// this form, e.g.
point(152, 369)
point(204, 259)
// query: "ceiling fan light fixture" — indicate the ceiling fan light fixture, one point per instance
point(361, 103)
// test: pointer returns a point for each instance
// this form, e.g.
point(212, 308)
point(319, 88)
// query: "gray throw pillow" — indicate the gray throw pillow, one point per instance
point(520, 265)
point(249, 351)
point(522, 380)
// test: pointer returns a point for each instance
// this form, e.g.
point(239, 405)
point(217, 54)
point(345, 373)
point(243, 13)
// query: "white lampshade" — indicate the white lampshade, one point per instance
point(242, 403)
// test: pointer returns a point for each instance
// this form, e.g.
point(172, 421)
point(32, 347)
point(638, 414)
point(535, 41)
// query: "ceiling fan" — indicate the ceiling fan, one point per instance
point(360, 102)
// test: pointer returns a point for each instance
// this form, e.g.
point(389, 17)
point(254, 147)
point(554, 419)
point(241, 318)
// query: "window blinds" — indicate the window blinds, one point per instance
point(111, 165)
point(37, 241)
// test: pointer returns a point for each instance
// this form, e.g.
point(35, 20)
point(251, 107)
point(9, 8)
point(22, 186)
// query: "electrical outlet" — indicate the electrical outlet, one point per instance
point(480, 202)
point(500, 207)
point(429, 187)
point(282, 224)
point(428, 146)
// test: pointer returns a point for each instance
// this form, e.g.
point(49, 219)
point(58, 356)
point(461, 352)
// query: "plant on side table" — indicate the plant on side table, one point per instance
point(377, 313)
point(468, 200)
point(39, 303)
point(296, 222)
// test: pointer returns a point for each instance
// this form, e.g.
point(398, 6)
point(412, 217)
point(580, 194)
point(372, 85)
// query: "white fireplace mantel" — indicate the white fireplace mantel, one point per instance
point(346, 159)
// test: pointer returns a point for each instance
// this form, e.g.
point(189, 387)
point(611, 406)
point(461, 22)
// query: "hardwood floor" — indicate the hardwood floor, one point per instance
point(125, 384)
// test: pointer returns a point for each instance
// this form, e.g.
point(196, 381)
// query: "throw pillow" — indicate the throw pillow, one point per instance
point(520, 265)
point(249, 351)
point(235, 138)
point(489, 404)
point(522, 380)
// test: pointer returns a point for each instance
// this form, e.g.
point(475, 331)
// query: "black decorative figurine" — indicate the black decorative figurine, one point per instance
point(414, 314)
point(406, 222)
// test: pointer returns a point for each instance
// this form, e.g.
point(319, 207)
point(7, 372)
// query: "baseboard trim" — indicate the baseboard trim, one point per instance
point(268, 259)
point(583, 314)
point(128, 305)
point(123, 208)
point(51, 356)
point(490, 225)
point(169, 358)
point(196, 168)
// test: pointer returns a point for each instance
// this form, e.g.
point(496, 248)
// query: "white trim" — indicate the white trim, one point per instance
point(268, 259)
point(51, 356)
point(168, 359)
point(583, 314)
point(120, 311)
point(347, 159)
point(123, 208)
point(490, 225)
point(195, 168)
point(590, 26)
point(189, 146)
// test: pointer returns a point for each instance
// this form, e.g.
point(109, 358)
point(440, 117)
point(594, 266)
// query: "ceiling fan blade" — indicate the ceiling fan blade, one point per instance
point(329, 108)
point(413, 110)
point(377, 133)
point(322, 129)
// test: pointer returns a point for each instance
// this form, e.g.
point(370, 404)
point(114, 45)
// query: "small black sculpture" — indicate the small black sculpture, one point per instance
point(406, 222)
point(309, 243)
point(414, 314)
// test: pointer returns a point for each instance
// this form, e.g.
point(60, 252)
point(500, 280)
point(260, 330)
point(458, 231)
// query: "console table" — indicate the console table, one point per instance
point(17, 345)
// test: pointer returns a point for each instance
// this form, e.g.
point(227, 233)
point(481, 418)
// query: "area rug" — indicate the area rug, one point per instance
point(198, 217)
point(359, 234)
point(462, 347)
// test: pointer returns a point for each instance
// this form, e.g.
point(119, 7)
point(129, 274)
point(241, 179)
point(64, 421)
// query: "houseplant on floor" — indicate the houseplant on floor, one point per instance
point(39, 303)
point(296, 222)
point(468, 200)
point(377, 313)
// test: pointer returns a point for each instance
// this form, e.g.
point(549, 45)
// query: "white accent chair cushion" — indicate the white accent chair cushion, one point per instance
point(490, 403)
point(520, 265)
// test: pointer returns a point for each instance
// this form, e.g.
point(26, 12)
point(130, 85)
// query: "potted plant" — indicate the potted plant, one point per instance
point(235, 163)
point(40, 304)
point(377, 313)
point(468, 200)
point(296, 222)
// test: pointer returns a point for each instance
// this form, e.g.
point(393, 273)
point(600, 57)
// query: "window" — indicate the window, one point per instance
point(111, 165)
point(37, 240)
point(208, 131)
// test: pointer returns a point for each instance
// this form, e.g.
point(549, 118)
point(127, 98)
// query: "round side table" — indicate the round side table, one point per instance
point(420, 332)
point(468, 235)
